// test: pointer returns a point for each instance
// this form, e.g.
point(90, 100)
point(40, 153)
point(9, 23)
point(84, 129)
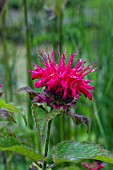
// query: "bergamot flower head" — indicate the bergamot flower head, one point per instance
point(63, 83)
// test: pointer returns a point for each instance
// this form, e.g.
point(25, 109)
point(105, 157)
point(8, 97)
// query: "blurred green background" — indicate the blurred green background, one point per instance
point(27, 26)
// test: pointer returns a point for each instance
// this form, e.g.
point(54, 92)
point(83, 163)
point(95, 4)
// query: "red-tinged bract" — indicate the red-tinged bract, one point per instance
point(63, 81)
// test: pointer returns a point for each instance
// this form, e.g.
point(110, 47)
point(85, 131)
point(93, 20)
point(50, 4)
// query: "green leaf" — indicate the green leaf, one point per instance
point(8, 110)
point(2, 103)
point(72, 151)
point(42, 117)
point(10, 143)
point(5, 114)
point(10, 107)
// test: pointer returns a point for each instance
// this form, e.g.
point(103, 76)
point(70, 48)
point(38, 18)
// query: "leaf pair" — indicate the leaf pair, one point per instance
point(66, 151)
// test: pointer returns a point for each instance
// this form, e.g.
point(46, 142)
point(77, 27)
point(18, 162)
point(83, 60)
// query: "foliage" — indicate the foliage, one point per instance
point(85, 25)
point(8, 140)
point(72, 151)
point(10, 143)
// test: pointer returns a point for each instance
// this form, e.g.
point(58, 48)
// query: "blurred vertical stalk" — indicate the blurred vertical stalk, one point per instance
point(99, 123)
point(4, 160)
point(55, 40)
point(29, 65)
point(7, 165)
point(61, 31)
point(81, 6)
point(5, 52)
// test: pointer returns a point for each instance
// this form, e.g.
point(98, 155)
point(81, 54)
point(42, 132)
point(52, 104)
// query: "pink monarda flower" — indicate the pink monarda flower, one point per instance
point(63, 82)
point(1, 85)
point(95, 166)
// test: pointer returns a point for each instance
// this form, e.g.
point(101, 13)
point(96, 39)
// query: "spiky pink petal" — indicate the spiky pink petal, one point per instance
point(64, 80)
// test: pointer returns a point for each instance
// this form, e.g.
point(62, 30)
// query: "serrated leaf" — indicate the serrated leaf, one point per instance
point(9, 112)
point(42, 117)
point(2, 103)
point(10, 143)
point(6, 114)
point(28, 89)
point(10, 107)
point(72, 151)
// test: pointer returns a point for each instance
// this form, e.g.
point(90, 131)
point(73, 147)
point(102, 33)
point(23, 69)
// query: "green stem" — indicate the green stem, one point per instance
point(4, 160)
point(6, 58)
point(99, 122)
point(46, 144)
point(61, 31)
point(7, 165)
point(62, 127)
point(29, 65)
